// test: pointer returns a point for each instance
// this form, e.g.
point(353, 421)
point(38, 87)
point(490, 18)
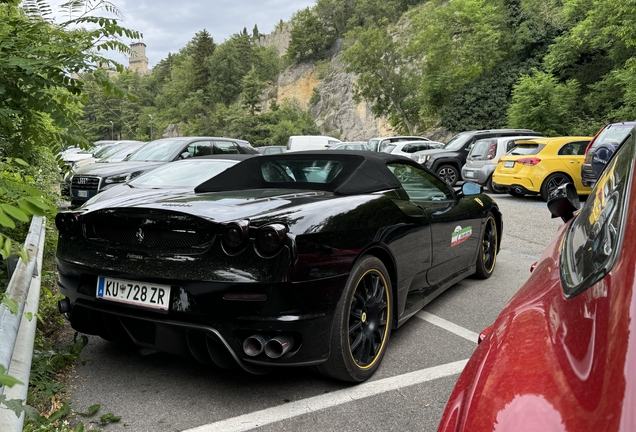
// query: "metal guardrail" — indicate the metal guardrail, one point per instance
point(17, 333)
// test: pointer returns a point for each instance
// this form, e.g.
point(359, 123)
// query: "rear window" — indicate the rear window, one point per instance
point(300, 171)
point(526, 149)
point(481, 147)
point(614, 134)
point(593, 241)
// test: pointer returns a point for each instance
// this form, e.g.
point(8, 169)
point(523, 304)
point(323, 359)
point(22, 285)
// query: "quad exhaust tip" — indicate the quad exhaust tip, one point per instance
point(278, 346)
point(255, 344)
point(273, 348)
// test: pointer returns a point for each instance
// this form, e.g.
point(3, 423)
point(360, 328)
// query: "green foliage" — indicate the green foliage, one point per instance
point(252, 88)
point(230, 62)
point(310, 37)
point(483, 103)
point(458, 40)
point(203, 47)
point(386, 78)
point(39, 94)
point(543, 104)
point(5, 379)
point(315, 96)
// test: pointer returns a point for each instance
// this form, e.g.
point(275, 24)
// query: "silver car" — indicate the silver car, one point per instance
point(484, 156)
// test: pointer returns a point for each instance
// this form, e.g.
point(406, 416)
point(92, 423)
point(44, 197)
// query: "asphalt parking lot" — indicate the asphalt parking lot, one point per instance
point(161, 392)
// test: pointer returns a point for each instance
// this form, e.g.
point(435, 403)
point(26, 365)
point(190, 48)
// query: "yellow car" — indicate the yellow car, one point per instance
point(540, 165)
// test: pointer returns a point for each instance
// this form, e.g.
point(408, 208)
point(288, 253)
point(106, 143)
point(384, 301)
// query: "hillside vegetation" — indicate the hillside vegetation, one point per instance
point(557, 66)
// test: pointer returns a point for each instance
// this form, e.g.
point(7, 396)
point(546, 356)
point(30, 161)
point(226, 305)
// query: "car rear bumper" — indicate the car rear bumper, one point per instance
point(211, 320)
point(512, 181)
point(478, 175)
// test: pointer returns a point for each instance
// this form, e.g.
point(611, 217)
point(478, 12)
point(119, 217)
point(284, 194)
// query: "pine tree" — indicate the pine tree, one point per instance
point(255, 33)
point(252, 88)
point(203, 46)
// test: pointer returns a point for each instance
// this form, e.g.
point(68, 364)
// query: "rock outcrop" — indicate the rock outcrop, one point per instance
point(326, 90)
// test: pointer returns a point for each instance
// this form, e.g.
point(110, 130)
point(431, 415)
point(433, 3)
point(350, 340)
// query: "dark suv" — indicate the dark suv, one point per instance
point(448, 161)
point(601, 149)
point(92, 179)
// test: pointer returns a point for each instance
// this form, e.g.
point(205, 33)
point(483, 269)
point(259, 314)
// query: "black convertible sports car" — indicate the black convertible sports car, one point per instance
point(305, 258)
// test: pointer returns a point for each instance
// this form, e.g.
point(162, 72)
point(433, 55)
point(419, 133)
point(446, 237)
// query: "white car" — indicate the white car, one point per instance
point(379, 143)
point(407, 148)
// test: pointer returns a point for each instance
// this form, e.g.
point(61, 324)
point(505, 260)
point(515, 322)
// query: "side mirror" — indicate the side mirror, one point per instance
point(470, 188)
point(184, 155)
point(563, 202)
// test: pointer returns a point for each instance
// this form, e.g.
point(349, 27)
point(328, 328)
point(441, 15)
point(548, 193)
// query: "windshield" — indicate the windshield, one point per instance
point(120, 153)
point(373, 144)
point(187, 174)
point(613, 134)
point(457, 142)
point(301, 171)
point(480, 148)
point(388, 149)
point(526, 149)
point(157, 151)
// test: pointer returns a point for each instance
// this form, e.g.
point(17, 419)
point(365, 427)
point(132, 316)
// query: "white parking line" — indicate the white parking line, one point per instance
point(447, 325)
point(306, 406)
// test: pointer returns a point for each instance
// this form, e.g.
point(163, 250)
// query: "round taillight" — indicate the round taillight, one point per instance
point(67, 223)
point(236, 235)
point(270, 239)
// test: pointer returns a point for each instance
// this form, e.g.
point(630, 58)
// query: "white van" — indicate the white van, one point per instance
point(310, 142)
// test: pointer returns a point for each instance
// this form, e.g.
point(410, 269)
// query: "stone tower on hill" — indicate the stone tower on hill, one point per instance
point(138, 61)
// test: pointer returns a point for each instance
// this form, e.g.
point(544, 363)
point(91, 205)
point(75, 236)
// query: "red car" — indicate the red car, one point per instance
point(561, 356)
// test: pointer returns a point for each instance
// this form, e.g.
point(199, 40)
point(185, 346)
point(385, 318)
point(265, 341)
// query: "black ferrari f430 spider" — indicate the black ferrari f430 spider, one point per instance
point(306, 258)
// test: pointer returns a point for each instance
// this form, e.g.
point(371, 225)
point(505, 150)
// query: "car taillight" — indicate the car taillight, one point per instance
point(235, 236)
point(270, 239)
point(492, 150)
point(528, 161)
point(67, 223)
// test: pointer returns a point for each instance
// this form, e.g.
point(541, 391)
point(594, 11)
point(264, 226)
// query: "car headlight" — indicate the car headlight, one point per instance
point(117, 178)
point(121, 178)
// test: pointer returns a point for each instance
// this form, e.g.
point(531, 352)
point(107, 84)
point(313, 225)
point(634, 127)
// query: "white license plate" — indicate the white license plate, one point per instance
point(509, 164)
point(82, 194)
point(131, 292)
point(470, 174)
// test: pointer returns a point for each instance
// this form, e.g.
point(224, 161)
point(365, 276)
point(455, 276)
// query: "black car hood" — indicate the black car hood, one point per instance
point(108, 169)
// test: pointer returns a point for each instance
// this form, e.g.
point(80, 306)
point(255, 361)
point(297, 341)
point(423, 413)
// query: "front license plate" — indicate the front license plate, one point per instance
point(470, 174)
point(145, 294)
point(509, 164)
point(82, 194)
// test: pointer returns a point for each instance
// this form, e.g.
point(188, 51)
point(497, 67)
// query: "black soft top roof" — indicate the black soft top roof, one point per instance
point(362, 172)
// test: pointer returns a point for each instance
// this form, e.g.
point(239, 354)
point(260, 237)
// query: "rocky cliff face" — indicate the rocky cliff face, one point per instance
point(326, 89)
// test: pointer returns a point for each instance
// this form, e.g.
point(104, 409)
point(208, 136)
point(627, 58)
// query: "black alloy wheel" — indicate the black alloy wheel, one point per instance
point(552, 182)
point(487, 255)
point(449, 174)
point(362, 323)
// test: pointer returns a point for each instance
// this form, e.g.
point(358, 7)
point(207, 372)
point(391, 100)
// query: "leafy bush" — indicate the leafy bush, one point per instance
point(483, 103)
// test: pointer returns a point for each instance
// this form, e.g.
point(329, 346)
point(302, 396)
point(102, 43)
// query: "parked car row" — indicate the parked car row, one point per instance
point(448, 161)
point(92, 179)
